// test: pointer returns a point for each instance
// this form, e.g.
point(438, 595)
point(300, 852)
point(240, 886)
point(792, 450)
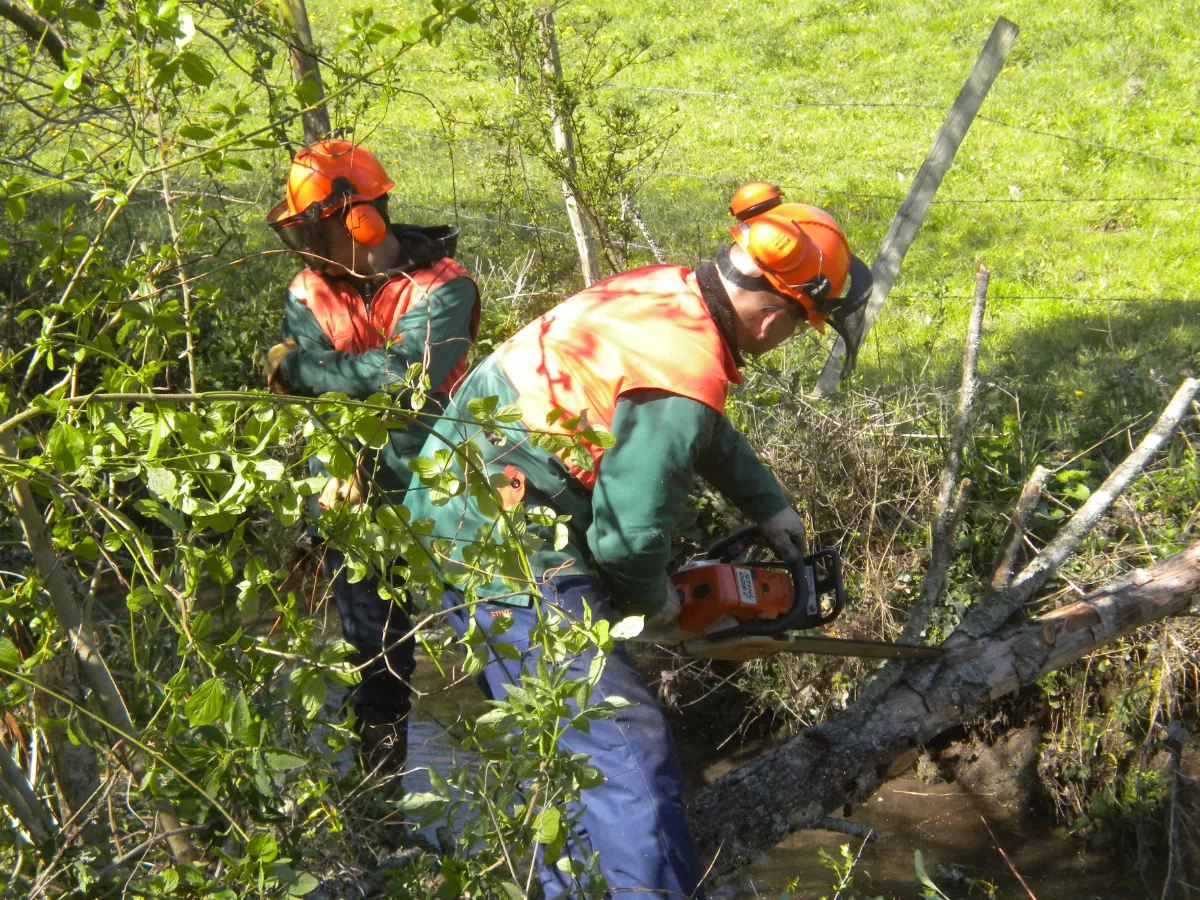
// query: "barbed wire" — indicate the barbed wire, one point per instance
point(1023, 298)
point(1047, 298)
point(519, 225)
point(862, 104)
point(892, 198)
point(949, 201)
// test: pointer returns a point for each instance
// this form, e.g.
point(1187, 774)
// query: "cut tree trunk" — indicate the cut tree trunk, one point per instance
point(841, 762)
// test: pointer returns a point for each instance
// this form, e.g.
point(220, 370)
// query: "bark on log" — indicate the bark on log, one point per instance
point(841, 762)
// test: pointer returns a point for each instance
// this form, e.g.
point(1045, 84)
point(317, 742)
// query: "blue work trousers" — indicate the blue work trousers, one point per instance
point(370, 624)
point(635, 820)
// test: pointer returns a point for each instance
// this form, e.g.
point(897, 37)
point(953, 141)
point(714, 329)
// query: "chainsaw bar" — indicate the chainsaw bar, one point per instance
point(756, 646)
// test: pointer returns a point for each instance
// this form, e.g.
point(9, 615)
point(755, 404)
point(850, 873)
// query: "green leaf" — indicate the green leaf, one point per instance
point(302, 884)
point(206, 703)
point(919, 865)
point(505, 650)
point(262, 847)
point(423, 807)
point(467, 13)
point(197, 68)
point(371, 432)
point(68, 446)
point(238, 721)
point(308, 92)
point(84, 14)
point(164, 514)
point(312, 693)
point(546, 825)
point(280, 761)
point(196, 132)
point(139, 598)
point(511, 891)
point(10, 657)
point(270, 469)
point(629, 627)
point(219, 568)
point(162, 483)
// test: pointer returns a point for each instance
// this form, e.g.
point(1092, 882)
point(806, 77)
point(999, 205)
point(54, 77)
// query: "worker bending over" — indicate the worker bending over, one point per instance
point(648, 356)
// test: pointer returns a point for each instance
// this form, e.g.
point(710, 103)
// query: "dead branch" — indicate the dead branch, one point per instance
point(950, 511)
point(941, 555)
point(983, 619)
point(1005, 563)
point(842, 761)
point(39, 31)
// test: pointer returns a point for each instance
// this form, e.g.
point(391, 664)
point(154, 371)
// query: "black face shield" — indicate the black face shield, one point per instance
point(845, 314)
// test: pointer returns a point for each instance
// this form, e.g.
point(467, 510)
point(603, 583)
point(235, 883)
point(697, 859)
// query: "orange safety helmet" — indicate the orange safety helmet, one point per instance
point(803, 255)
point(329, 178)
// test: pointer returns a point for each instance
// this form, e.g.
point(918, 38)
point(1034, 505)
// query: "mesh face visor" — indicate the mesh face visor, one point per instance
point(845, 314)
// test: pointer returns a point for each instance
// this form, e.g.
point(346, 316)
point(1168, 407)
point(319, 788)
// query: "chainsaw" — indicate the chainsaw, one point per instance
point(739, 611)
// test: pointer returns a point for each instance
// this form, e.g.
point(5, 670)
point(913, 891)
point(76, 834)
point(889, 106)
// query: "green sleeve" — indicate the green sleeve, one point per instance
point(640, 492)
point(442, 321)
point(300, 325)
point(731, 466)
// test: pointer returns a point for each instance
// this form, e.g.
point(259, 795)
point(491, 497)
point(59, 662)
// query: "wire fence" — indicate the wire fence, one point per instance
point(433, 137)
point(860, 104)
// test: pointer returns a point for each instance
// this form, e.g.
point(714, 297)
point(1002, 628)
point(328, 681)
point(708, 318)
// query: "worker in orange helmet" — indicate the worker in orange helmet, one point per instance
point(373, 299)
point(647, 356)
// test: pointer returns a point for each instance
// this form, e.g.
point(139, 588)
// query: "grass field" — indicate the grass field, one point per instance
point(1109, 209)
point(1079, 186)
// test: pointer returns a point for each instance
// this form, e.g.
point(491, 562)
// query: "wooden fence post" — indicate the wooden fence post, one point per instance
point(912, 211)
point(564, 143)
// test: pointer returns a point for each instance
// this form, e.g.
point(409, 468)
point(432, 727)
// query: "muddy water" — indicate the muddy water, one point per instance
point(945, 823)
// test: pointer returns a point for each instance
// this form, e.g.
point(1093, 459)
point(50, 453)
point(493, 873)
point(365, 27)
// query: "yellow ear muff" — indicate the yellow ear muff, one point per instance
point(365, 224)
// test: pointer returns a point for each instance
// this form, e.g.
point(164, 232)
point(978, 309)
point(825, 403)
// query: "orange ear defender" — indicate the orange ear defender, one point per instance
point(365, 224)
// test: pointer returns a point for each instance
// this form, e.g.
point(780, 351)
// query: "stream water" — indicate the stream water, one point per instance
point(944, 822)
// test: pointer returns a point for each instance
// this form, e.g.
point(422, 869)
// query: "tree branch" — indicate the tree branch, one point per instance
point(21, 800)
point(69, 606)
point(1071, 535)
point(1005, 563)
point(38, 30)
point(950, 510)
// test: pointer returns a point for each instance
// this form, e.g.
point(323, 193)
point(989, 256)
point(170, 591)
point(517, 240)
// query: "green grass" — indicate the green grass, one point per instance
point(1109, 74)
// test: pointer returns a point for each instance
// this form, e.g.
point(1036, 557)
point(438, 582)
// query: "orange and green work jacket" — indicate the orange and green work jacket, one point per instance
point(359, 343)
point(640, 356)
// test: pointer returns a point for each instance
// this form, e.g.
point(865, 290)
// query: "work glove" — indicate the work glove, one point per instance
point(338, 492)
point(275, 356)
point(784, 534)
point(663, 626)
point(669, 614)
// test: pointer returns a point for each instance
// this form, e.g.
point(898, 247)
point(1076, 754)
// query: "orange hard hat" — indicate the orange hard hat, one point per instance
point(316, 168)
point(800, 249)
point(803, 255)
point(332, 177)
point(752, 198)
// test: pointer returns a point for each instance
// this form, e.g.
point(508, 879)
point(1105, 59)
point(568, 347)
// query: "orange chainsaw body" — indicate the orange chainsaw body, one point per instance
point(710, 590)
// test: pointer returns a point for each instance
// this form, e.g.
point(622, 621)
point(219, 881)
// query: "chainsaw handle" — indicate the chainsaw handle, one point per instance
point(730, 547)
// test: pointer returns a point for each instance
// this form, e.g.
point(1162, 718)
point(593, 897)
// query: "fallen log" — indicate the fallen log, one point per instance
point(841, 762)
